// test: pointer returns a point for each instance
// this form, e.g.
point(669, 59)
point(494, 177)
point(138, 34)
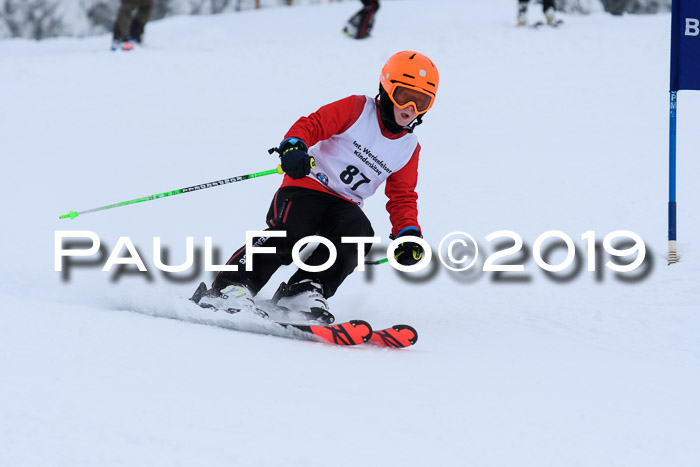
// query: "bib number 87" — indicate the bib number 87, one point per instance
point(348, 175)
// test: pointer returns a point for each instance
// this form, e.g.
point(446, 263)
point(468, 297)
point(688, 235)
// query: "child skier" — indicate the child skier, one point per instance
point(334, 159)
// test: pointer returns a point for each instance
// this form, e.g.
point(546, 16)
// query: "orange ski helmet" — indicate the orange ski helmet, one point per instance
point(410, 78)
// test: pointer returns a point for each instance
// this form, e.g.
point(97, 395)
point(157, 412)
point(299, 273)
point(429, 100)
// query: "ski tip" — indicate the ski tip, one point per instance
point(408, 331)
point(364, 329)
point(398, 336)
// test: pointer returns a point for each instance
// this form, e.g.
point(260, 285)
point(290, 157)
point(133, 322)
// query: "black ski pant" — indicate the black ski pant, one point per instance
point(302, 212)
point(363, 20)
point(546, 4)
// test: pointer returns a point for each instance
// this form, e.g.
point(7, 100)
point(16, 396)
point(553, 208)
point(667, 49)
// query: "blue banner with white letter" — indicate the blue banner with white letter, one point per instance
point(685, 45)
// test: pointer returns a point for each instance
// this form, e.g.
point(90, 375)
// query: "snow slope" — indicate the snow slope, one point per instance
point(532, 131)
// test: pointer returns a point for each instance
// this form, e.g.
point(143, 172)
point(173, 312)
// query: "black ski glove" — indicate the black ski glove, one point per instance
point(409, 253)
point(295, 159)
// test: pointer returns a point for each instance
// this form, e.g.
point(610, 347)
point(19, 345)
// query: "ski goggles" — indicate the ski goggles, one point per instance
point(404, 95)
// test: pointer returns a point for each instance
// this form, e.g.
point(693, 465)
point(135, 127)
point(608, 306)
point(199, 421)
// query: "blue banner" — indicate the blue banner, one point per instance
point(685, 45)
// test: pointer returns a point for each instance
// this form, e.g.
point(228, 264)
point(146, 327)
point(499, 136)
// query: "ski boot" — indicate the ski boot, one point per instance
point(305, 297)
point(522, 14)
point(231, 299)
point(551, 18)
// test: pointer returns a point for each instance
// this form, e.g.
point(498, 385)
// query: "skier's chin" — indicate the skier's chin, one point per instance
point(404, 119)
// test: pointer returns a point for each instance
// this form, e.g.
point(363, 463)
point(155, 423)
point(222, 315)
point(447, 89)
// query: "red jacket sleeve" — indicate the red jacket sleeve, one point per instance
point(400, 189)
point(327, 121)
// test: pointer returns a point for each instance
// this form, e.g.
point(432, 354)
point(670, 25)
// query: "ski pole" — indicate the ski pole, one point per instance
point(73, 214)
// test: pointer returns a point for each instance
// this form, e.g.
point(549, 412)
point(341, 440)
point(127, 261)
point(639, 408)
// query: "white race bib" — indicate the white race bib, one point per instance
point(356, 162)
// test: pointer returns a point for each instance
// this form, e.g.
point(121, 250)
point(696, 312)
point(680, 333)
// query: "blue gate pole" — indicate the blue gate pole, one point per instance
point(672, 245)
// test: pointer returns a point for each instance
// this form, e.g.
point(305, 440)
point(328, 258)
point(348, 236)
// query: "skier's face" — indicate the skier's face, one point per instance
point(406, 115)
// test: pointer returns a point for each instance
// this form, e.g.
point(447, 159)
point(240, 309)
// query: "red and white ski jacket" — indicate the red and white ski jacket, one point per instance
point(355, 154)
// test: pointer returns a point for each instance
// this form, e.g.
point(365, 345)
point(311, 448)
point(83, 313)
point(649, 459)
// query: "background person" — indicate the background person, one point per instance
point(360, 24)
point(547, 9)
